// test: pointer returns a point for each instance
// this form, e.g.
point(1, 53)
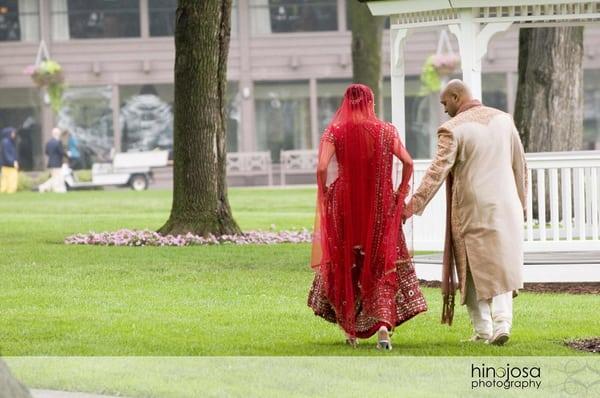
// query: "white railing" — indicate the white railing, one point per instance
point(566, 183)
point(300, 161)
point(246, 164)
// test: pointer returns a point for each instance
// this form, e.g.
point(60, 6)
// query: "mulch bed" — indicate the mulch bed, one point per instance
point(588, 345)
point(571, 288)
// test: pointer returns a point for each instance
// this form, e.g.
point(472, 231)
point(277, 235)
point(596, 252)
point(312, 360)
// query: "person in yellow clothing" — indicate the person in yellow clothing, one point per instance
point(10, 163)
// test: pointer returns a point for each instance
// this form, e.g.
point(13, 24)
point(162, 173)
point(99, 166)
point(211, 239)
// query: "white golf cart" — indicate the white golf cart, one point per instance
point(133, 169)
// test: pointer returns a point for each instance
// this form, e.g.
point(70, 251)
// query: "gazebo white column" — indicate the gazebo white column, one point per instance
point(473, 38)
point(397, 76)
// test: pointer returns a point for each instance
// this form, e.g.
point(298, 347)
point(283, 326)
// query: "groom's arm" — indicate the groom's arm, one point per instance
point(436, 173)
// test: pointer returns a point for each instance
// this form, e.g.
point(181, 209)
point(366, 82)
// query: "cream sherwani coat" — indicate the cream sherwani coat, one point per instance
point(482, 150)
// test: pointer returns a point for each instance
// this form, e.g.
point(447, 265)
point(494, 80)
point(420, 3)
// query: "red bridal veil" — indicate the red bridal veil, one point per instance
point(358, 242)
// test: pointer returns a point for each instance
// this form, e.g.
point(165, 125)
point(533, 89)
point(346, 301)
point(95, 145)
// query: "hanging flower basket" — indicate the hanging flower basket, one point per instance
point(445, 64)
point(430, 79)
point(46, 73)
point(439, 65)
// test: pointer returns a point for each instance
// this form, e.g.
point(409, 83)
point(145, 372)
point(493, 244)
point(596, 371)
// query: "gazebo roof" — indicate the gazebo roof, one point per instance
point(441, 12)
point(473, 22)
point(387, 7)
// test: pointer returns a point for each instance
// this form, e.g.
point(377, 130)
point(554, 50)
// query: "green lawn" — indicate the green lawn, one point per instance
point(58, 300)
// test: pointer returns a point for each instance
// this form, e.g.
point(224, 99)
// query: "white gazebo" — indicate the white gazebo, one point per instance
point(573, 177)
point(473, 22)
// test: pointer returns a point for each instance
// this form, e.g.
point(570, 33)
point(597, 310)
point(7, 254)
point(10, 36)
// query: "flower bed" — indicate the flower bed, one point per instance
point(126, 237)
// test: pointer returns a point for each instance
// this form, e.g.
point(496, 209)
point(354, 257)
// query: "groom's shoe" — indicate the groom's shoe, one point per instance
point(476, 338)
point(500, 338)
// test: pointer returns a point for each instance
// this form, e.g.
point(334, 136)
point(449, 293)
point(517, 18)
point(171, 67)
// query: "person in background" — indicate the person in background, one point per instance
point(56, 155)
point(10, 162)
point(73, 151)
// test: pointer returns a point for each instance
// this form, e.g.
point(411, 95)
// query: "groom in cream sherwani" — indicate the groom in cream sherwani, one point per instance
point(481, 158)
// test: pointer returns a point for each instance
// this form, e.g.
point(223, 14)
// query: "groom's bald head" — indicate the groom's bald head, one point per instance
point(455, 94)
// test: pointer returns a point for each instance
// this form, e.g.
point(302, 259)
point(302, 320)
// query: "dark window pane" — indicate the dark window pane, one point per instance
point(591, 109)
point(162, 17)
point(20, 108)
point(9, 21)
point(494, 90)
point(278, 16)
point(89, 19)
point(19, 20)
point(234, 117)
point(282, 117)
point(421, 117)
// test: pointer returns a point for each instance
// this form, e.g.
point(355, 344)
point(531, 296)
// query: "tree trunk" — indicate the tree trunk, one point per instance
point(367, 32)
point(200, 203)
point(549, 105)
point(9, 387)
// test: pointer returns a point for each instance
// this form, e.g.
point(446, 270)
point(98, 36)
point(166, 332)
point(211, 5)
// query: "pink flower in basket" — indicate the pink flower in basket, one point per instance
point(445, 64)
point(29, 70)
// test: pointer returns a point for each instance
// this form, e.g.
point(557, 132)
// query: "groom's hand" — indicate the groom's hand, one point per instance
point(406, 214)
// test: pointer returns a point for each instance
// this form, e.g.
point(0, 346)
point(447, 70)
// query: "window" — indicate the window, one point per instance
point(233, 112)
point(19, 20)
point(20, 108)
point(90, 19)
point(162, 17)
point(279, 16)
point(330, 94)
point(591, 109)
point(282, 117)
point(493, 90)
point(421, 117)
point(87, 114)
point(146, 117)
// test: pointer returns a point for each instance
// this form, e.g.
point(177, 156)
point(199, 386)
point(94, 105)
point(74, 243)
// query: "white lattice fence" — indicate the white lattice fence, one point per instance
point(567, 217)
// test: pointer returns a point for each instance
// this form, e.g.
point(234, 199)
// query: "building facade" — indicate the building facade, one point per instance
point(289, 63)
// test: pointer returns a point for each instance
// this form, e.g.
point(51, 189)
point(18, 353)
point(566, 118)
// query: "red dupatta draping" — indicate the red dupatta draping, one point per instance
point(358, 216)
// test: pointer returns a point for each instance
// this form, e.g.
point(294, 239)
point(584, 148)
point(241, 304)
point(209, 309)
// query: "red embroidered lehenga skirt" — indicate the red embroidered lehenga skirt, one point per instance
point(393, 299)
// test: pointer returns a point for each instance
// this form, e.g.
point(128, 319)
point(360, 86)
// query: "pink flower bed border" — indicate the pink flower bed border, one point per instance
point(127, 237)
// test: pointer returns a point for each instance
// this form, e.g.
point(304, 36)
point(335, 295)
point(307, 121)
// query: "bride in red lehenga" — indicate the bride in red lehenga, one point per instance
point(364, 276)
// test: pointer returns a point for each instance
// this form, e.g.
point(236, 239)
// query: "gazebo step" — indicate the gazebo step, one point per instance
point(578, 266)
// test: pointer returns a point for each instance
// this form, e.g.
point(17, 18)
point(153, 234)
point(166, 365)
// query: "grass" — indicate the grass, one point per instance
point(59, 300)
